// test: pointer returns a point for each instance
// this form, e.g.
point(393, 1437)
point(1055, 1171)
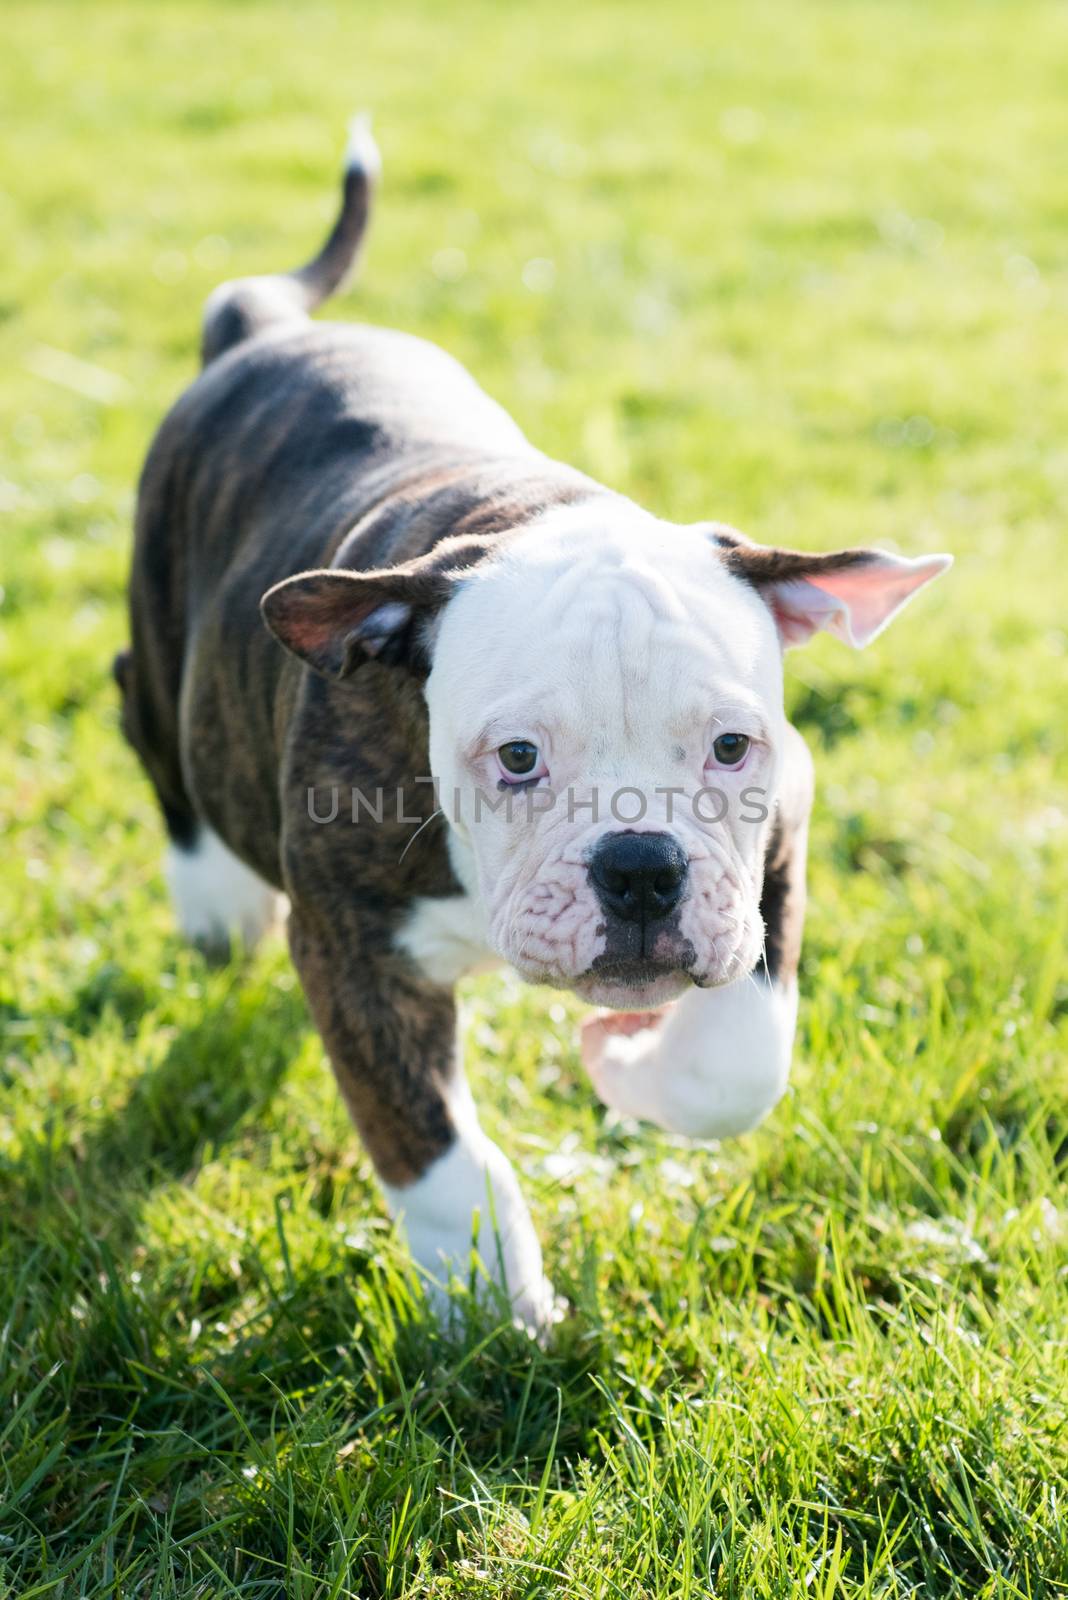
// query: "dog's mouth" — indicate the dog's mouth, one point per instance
point(643, 964)
point(632, 985)
point(641, 968)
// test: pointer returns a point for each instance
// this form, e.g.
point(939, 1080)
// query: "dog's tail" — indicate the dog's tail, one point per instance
point(244, 307)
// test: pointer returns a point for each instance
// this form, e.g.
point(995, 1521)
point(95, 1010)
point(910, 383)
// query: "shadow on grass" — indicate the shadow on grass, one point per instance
point(311, 1387)
point(352, 1326)
point(215, 1077)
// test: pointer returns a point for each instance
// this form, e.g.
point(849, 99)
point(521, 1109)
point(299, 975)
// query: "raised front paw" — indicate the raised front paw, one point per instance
point(615, 1045)
point(710, 1066)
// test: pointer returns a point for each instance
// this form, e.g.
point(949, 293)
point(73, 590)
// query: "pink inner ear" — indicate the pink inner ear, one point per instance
point(853, 602)
point(800, 610)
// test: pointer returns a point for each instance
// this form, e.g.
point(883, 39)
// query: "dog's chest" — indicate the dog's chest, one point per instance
point(447, 938)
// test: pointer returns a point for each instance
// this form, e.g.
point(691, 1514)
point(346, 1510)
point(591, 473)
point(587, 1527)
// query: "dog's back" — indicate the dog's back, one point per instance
point(295, 433)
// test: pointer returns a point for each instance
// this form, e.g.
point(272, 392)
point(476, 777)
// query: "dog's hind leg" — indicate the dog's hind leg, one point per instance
point(217, 898)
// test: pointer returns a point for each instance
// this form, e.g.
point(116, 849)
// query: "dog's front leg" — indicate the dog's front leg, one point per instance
point(713, 1064)
point(392, 1040)
point(710, 1066)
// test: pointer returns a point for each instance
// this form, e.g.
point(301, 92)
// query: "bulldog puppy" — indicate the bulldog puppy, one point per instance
point(497, 713)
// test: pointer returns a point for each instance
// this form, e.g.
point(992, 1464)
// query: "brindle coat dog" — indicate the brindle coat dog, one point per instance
point(453, 602)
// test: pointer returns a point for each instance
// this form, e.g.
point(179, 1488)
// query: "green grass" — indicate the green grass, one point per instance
point(809, 273)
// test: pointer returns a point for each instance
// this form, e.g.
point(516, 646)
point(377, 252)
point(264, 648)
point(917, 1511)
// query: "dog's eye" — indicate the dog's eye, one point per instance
point(730, 749)
point(519, 757)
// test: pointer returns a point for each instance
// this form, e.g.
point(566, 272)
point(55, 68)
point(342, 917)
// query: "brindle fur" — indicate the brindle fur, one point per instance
point(304, 447)
point(782, 901)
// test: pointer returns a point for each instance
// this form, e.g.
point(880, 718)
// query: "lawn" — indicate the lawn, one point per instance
point(799, 267)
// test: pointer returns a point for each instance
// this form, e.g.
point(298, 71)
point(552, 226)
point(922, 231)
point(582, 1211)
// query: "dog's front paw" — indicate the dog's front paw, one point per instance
point(534, 1306)
point(536, 1309)
point(467, 1225)
point(615, 1046)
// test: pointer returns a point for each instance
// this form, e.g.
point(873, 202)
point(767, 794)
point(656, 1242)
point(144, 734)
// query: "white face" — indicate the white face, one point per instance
point(586, 669)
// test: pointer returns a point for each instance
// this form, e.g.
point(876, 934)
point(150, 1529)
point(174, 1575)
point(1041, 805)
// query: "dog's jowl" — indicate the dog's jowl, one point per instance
point(556, 720)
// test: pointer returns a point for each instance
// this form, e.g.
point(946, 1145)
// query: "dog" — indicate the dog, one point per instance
point(555, 723)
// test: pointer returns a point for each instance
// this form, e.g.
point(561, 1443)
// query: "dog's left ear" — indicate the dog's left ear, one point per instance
point(336, 619)
point(853, 594)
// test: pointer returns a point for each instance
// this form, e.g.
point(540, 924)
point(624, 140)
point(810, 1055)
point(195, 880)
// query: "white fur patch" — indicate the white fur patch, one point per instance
point(713, 1068)
point(469, 1200)
point(216, 897)
point(447, 938)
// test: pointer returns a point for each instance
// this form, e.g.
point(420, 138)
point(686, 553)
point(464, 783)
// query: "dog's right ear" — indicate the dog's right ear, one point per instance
point(336, 619)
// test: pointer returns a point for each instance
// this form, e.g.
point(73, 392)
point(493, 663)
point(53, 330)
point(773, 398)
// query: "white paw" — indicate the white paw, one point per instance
point(216, 897)
point(614, 1045)
point(537, 1309)
point(473, 1268)
point(467, 1223)
point(710, 1066)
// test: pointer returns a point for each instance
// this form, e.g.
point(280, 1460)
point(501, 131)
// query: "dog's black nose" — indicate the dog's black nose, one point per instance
point(639, 876)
